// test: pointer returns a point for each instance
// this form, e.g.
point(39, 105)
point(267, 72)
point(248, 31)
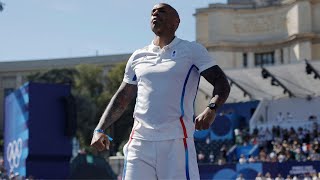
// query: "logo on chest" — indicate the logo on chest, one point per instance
point(174, 54)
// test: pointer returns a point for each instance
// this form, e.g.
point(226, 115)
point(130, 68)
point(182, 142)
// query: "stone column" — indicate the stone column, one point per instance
point(277, 57)
point(18, 80)
point(286, 55)
point(250, 59)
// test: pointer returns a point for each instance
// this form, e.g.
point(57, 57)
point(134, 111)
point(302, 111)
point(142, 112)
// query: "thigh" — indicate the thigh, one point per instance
point(139, 160)
point(176, 159)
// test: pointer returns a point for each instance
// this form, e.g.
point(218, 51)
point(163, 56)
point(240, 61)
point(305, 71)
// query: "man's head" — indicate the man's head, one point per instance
point(164, 19)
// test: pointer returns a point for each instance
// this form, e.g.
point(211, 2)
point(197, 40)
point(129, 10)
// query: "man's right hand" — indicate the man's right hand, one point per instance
point(100, 141)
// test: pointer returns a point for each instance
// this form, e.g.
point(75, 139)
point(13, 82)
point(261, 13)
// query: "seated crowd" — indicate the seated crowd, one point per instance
point(275, 145)
point(279, 145)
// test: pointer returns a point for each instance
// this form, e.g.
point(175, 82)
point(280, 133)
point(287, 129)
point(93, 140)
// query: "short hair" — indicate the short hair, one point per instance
point(175, 12)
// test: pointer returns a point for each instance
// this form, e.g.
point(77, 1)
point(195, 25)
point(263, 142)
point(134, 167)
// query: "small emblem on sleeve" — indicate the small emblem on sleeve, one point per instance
point(134, 78)
point(174, 53)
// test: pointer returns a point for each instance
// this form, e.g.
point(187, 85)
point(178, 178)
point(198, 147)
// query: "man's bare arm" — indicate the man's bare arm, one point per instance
point(117, 105)
point(218, 79)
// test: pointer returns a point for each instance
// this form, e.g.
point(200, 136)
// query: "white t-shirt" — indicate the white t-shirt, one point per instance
point(167, 81)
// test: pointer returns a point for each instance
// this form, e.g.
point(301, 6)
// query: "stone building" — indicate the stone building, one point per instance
point(246, 35)
point(251, 33)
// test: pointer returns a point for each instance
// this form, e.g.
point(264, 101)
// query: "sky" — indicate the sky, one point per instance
point(48, 29)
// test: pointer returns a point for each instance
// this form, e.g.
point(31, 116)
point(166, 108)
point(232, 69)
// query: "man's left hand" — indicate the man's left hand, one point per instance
point(205, 119)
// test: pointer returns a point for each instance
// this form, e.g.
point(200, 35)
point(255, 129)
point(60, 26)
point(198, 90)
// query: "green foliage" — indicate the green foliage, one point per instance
point(88, 82)
point(63, 76)
point(115, 77)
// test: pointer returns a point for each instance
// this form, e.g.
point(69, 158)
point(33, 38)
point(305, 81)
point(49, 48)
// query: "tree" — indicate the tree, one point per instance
point(60, 76)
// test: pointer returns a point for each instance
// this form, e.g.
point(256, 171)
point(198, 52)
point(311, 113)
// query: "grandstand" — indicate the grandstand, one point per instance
point(274, 119)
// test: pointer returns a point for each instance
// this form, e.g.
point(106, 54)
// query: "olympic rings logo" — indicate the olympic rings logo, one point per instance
point(14, 151)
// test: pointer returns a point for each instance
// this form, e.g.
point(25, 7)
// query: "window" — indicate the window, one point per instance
point(261, 59)
point(245, 60)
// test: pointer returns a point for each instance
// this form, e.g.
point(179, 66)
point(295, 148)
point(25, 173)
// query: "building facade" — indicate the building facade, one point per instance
point(251, 33)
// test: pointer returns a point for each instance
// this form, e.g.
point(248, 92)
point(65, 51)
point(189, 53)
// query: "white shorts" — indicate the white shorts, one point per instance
point(152, 160)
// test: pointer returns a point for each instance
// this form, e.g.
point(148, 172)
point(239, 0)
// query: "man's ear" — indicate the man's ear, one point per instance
point(176, 23)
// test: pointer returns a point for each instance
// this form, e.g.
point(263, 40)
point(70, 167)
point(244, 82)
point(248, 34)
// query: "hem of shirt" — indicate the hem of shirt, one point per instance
point(129, 82)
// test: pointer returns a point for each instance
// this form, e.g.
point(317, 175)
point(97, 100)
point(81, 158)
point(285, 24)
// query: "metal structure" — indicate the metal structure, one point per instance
point(275, 81)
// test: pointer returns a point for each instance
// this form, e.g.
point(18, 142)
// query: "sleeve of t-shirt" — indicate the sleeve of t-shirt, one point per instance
point(201, 57)
point(129, 74)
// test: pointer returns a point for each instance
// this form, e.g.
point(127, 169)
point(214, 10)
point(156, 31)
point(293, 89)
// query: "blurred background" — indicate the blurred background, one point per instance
point(61, 62)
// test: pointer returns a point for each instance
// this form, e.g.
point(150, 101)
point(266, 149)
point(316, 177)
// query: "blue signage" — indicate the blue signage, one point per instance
point(16, 132)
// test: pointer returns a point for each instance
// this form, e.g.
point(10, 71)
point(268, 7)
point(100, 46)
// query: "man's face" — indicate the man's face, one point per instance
point(163, 18)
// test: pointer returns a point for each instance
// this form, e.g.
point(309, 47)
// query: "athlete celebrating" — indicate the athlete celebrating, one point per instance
point(164, 78)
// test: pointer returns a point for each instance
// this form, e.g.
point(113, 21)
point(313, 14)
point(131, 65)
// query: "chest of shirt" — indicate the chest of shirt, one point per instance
point(170, 64)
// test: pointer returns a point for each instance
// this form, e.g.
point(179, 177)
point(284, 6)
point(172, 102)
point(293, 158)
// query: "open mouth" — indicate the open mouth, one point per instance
point(155, 20)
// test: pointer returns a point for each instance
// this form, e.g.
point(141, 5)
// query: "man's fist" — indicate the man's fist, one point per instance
point(205, 119)
point(100, 141)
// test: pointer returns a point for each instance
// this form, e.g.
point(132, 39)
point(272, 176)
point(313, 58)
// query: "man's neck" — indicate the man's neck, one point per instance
point(163, 40)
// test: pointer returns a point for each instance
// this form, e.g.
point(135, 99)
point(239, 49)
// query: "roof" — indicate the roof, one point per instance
point(61, 62)
point(250, 82)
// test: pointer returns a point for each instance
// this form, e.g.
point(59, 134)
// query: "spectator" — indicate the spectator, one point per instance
point(289, 155)
point(314, 176)
point(221, 162)
point(201, 157)
point(208, 141)
point(262, 155)
point(238, 137)
point(240, 177)
point(306, 177)
point(295, 178)
point(211, 157)
point(313, 156)
point(268, 176)
point(305, 148)
point(273, 157)
point(281, 158)
point(242, 159)
point(223, 151)
point(279, 177)
point(288, 177)
point(259, 176)
point(251, 159)
point(299, 156)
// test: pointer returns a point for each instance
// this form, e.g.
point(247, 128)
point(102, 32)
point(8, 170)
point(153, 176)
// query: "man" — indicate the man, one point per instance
point(164, 76)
